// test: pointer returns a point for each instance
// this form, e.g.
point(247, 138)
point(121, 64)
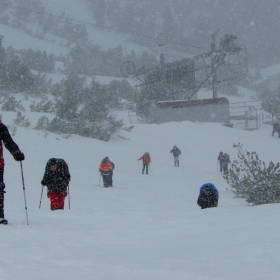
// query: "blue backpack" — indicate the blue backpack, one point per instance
point(212, 187)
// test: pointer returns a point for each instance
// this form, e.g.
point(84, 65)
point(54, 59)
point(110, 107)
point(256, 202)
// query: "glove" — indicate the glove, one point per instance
point(18, 156)
point(2, 187)
point(43, 183)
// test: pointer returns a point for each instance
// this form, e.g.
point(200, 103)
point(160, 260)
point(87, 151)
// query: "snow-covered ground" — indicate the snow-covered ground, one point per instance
point(145, 227)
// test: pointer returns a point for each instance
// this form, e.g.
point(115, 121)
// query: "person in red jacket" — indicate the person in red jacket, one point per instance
point(13, 148)
point(106, 168)
point(146, 162)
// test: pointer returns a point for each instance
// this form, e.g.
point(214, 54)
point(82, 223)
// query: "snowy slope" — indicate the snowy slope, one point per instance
point(146, 227)
point(78, 12)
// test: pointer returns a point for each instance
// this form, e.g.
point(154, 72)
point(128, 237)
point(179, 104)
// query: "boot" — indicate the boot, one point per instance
point(3, 221)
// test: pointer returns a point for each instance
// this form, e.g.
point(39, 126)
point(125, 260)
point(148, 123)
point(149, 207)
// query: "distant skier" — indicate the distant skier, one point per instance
point(106, 168)
point(176, 153)
point(220, 157)
point(224, 162)
point(208, 196)
point(146, 162)
point(56, 178)
point(13, 148)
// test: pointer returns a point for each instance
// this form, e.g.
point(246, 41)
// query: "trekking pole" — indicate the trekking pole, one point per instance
point(169, 159)
point(99, 180)
point(41, 196)
point(151, 169)
point(69, 196)
point(217, 166)
point(24, 193)
point(182, 161)
point(138, 167)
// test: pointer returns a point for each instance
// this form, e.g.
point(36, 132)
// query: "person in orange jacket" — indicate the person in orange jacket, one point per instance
point(146, 162)
point(106, 168)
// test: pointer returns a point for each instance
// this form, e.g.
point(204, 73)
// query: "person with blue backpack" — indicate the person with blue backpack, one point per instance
point(208, 196)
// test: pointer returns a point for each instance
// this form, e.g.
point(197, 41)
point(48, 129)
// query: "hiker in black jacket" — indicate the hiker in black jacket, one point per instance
point(13, 148)
point(56, 178)
point(207, 199)
point(176, 153)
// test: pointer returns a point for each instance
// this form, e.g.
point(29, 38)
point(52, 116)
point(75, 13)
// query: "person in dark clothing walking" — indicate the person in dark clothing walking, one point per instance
point(220, 157)
point(106, 168)
point(176, 153)
point(56, 178)
point(146, 162)
point(13, 148)
point(207, 199)
point(224, 163)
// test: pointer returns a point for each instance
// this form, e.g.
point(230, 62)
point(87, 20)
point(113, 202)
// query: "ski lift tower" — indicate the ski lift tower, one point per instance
point(214, 57)
point(182, 79)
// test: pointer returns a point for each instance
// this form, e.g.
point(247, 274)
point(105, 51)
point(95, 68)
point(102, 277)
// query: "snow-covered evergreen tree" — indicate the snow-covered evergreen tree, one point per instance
point(21, 120)
point(10, 104)
point(250, 178)
point(42, 123)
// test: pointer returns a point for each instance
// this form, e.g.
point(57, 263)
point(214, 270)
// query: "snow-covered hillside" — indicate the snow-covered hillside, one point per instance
point(145, 227)
point(78, 12)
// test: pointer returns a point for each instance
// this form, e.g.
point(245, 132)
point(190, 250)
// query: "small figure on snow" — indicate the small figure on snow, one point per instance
point(106, 168)
point(13, 148)
point(221, 154)
point(208, 196)
point(56, 178)
point(146, 162)
point(176, 153)
point(224, 162)
point(276, 128)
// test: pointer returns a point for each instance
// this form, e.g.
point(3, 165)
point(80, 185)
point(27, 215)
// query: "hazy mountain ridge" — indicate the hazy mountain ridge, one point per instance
point(192, 22)
point(184, 25)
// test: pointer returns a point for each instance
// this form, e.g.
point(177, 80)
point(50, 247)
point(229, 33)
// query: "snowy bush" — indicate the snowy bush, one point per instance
point(10, 104)
point(46, 107)
point(12, 129)
point(21, 120)
point(250, 178)
point(99, 130)
point(271, 101)
point(42, 123)
point(81, 111)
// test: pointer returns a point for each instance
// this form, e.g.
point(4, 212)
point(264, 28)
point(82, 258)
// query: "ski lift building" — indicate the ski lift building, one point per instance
point(203, 110)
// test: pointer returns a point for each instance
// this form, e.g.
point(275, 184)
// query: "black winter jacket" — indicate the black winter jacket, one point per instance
point(207, 201)
point(5, 136)
point(56, 180)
